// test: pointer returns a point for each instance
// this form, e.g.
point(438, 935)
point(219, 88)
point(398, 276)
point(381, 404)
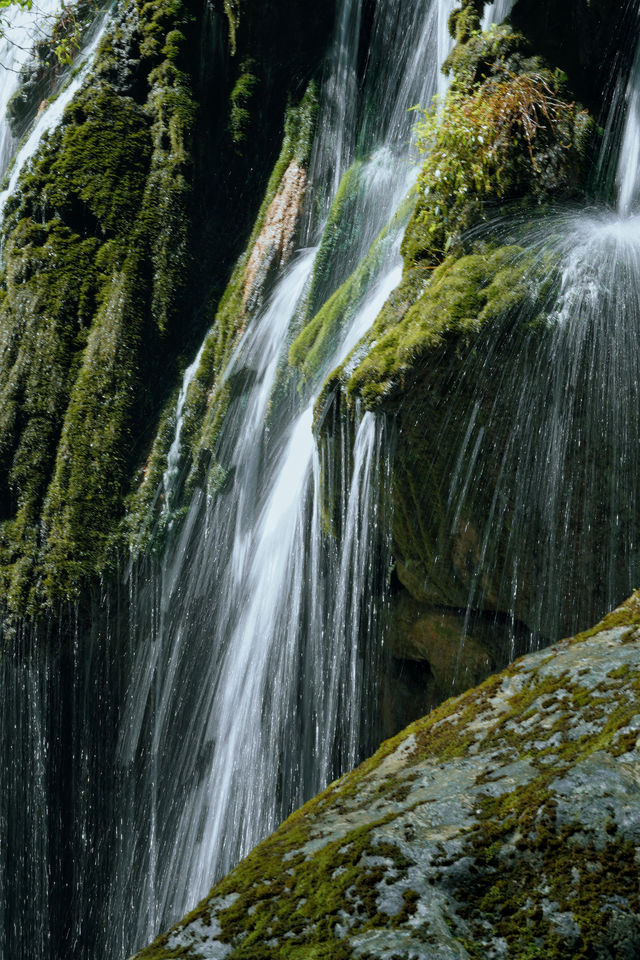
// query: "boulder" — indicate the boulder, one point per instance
point(506, 823)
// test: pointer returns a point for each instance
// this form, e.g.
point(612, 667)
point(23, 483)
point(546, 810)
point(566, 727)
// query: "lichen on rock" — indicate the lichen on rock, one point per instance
point(274, 244)
point(505, 823)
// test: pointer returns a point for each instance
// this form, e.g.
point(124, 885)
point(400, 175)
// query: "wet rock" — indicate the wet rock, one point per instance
point(504, 824)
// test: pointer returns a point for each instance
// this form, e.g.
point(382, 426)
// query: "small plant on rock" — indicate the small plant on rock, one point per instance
point(488, 142)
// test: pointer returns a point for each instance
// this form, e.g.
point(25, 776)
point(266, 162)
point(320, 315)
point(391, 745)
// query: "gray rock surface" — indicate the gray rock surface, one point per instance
point(504, 824)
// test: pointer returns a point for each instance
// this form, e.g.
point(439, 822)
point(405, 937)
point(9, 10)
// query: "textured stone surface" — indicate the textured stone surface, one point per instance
point(504, 824)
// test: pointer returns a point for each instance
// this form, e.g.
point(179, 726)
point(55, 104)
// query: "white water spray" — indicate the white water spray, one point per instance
point(52, 115)
point(22, 28)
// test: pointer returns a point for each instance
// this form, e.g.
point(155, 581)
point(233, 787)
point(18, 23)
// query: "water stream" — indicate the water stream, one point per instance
point(241, 672)
point(628, 172)
point(51, 113)
point(21, 30)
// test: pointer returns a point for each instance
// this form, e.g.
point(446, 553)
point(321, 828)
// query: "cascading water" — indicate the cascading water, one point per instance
point(252, 650)
point(251, 641)
point(541, 496)
point(50, 115)
point(497, 12)
point(22, 29)
point(628, 172)
point(255, 653)
point(528, 491)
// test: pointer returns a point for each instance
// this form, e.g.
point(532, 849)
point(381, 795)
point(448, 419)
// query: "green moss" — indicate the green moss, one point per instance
point(313, 346)
point(464, 296)
point(232, 10)
point(464, 21)
point(627, 614)
point(95, 265)
point(580, 878)
point(486, 150)
point(334, 260)
point(507, 129)
point(240, 103)
point(91, 473)
point(275, 910)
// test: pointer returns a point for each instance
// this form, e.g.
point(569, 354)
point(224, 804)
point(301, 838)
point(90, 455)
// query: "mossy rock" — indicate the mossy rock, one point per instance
point(95, 266)
point(469, 309)
point(473, 312)
point(507, 822)
point(334, 260)
point(453, 304)
point(112, 274)
point(463, 359)
point(208, 394)
point(460, 359)
point(507, 130)
point(314, 345)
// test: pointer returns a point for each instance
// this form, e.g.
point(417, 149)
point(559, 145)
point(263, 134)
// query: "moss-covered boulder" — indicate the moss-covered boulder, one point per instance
point(432, 361)
point(508, 130)
point(504, 824)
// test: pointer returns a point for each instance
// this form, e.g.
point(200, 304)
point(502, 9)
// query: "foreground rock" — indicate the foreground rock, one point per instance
point(504, 824)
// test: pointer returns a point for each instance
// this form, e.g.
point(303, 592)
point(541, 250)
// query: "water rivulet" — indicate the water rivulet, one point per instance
point(234, 668)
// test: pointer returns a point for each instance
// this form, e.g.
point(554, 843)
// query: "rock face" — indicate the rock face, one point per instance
point(118, 243)
point(504, 824)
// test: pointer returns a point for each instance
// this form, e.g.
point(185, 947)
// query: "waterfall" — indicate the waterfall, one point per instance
point(250, 649)
point(543, 479)
point(22, 29)
point(628, 172)
point(258, 653)
point(258, 638)
point(541, 495)
point(497, 12)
